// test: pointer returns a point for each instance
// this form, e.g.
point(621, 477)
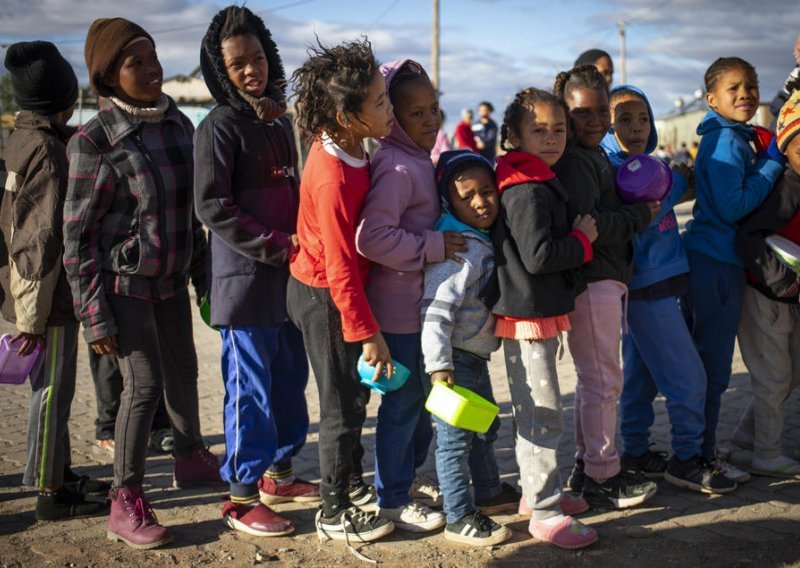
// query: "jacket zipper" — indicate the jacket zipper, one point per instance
point(161, 194)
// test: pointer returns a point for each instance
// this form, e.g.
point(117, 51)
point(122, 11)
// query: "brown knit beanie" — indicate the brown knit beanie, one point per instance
point(105, 40)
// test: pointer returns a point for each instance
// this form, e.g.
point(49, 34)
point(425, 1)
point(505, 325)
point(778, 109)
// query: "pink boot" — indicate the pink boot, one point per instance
point(200, 468)
point(133, 521)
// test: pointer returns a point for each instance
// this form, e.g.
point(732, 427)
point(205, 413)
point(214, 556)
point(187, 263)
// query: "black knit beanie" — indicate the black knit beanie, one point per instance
point(43, 80)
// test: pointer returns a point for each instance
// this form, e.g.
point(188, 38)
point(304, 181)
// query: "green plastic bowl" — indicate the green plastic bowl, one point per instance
point(461, 407)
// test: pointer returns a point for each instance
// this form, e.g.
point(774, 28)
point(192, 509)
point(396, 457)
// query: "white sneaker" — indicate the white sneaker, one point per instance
point(780, 466)
point(427, 491)
point(731, 471)
point(414, 517)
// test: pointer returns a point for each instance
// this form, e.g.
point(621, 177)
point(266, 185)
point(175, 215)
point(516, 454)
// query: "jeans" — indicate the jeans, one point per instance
point(463, 454)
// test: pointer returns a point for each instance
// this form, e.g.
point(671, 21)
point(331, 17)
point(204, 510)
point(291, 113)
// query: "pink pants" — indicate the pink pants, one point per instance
point(594, 343)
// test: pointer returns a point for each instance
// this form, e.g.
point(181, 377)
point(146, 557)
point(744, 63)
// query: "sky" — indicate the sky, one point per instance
point(489, 49)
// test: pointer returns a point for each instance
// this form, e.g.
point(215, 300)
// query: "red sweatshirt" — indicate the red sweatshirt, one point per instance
point(332, 195)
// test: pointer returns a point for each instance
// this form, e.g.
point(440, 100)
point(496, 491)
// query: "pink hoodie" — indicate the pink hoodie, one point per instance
point(396, 227)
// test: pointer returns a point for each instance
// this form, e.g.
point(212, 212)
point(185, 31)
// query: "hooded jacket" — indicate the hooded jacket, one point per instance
point(658, 250)
point(731, 181)
point(537, 254)
point(246, 192)
point(396, 227)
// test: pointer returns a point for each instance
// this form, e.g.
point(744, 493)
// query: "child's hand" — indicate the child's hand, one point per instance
point(444, 376)
point(294, 244)
point(454, 242)
point(105, 346)
point(654, 207)
point(376, 354)
point(773, 153)
point(586, 225)
point(29, 342)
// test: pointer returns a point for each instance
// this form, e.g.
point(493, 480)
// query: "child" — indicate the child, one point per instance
point(457, 339)
point(341, 99)
point(731, 182)
point(36, 296)
point(396, 234)
point(246, 193)
point(131, 241)
point(594, 340)
point(539, 247)
point(769, 333)
point(463, 137)
point(652, 360)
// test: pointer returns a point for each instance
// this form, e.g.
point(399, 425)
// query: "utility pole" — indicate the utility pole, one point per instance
point(435, 47)
point(622, 62)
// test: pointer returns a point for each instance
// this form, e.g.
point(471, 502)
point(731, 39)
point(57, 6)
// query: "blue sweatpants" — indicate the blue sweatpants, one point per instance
point(265, 371)
point(659, 355)
point(715, 306)
point(404, 430)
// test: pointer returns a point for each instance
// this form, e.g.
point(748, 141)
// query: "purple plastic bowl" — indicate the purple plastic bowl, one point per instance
point(643, 178)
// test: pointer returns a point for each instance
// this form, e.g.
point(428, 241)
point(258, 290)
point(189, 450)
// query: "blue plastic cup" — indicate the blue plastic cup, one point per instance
point(384, 384)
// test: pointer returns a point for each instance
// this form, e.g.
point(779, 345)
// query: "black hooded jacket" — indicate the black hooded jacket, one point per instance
point(246, 191)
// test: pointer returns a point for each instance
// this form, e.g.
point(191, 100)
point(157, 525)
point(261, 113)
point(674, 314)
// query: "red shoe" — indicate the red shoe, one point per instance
point(298, 491)
point(570, 505)
point(133, 521)
point(256, 519)
point(201, 468)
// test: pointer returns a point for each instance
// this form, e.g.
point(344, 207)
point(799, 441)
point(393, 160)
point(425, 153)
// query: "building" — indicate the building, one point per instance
point(682, 126)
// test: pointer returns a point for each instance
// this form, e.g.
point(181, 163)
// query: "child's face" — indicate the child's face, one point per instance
point(793, 154)
point(246, 64)
point(631, 124)
point(473, 195)
point(138, 75)
point(416, 108)
point(735, 95)
point(590, 114)
point(606, 68)
point(542, 132)
point(375, 118)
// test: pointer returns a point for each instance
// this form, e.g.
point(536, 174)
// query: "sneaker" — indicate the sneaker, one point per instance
point(570, 504)
point(297, 491)
point(698, 474)
point(67, 504)
point(133, 521)
point(162, 441)
point(567, 533)
point(780, 466)
point(624, 490)
point(363, 496)
point(199, 469)
point(650, 464)
point(576, 478)
point(256, 519)
point(505, 501)
point(426, 491)
point(352, 523)
point(85, 484)
point(476, 529)
point(414, 517)
point(730, 471)
point(104, 448)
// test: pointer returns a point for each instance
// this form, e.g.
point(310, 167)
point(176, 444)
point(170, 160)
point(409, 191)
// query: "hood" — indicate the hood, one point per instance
point(713, 121)
point(397, 136)
point(515, 168)
point(216, 77)
point(449, 222)
point(610, 143)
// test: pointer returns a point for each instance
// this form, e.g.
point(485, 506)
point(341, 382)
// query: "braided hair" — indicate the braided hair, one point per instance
point(524, 101)
point(333, 79)
point(410, 72)
point(579, 77)
point(722, 66)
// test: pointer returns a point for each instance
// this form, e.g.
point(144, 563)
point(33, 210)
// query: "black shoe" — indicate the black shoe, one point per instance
point(476, 529)
point(619, 492)
point(506, 500)
point(352, 524)
point(650, 464)
point(698, 474)
point(363, 496)
point(66, 504)
point(576, 478)
point(85, 484)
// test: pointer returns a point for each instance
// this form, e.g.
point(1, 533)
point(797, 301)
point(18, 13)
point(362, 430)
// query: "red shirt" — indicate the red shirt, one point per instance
point(332, 195)
point(464, 137)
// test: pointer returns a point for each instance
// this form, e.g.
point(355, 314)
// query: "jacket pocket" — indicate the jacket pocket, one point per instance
point(125, 256)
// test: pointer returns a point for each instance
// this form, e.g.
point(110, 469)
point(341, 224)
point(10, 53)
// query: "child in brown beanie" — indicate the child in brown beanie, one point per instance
point(131, 244)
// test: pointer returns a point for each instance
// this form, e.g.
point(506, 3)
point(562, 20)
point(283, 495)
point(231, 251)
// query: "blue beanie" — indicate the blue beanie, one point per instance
point(451, 162)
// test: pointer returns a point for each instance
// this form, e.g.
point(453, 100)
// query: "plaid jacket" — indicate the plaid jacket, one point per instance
point(129, 225)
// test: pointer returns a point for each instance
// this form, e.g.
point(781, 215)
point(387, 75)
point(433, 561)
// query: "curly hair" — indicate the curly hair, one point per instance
point(579, 77)
point(524, 101)
point(722, 66)
point(333, 79)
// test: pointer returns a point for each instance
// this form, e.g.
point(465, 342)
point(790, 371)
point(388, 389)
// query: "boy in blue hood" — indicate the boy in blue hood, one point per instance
point(652, 360)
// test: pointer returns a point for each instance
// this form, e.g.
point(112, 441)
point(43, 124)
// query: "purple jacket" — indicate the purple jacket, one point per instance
point(396, 228)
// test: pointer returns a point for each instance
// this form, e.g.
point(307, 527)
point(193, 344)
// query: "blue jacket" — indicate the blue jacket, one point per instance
point(731, 182)
point(658, 250)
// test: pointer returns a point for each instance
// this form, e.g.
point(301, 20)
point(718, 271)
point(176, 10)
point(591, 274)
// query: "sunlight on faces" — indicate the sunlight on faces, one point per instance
point(375, 117)
point(631, 124)
point(590, 114)
point(137, 76)
point(793, 154)
point(735, 96)
point(246, 63)
point(473, 195)
point(416, 108)
point(542, 132)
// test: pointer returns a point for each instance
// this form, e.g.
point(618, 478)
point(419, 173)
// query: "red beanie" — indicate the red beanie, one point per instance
point(105, 40)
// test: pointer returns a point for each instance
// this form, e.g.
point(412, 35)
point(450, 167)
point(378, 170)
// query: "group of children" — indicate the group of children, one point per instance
point(390, 259)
